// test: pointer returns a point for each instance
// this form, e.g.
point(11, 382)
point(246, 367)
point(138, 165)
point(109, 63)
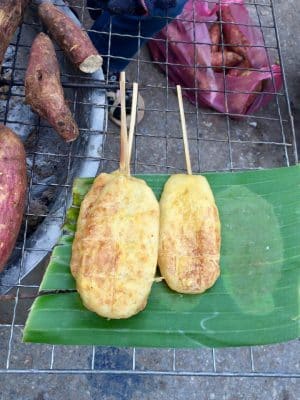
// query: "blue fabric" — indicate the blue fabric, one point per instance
point(137, 7)
point(162, 4)
point(94, 9)
point(119, 6)
point(122, 48)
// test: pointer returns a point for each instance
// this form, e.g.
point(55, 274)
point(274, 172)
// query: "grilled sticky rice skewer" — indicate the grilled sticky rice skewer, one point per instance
point(189, 245)
point(115, 249)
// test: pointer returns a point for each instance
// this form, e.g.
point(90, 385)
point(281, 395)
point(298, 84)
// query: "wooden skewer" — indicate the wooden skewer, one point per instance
point(184, 131)
point(132, 118)
point(124, 163)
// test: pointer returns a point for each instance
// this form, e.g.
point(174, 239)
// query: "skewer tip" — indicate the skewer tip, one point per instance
point(184, 131)
point(124, 161)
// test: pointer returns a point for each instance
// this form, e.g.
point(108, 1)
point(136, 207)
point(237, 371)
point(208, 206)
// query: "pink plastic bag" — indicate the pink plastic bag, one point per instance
point(190, 64)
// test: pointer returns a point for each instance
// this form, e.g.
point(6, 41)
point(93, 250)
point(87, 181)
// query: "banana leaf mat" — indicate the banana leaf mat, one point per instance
point(255, 301)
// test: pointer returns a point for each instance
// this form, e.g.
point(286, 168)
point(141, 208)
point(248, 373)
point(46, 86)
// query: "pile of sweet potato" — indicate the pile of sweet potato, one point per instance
point(221, 59)
point(43, 89)
point(229, 46)
point(222, 55)
point(44, 93)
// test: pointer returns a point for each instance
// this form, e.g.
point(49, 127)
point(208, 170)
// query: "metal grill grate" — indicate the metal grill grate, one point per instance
point(217, 142)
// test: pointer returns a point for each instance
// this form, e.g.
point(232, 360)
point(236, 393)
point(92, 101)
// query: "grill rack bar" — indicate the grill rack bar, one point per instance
point(152, 373)
point(286, 124)
point(114, 86)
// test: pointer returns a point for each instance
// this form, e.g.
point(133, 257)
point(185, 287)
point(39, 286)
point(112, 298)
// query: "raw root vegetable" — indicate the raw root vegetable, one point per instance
point(215, 37)
point(233, 35)
point(240, 35)
point(13, 185)
point(11, 15)
point(71, 38)
point(43, 88)
point(227, 59)
point(244, 71)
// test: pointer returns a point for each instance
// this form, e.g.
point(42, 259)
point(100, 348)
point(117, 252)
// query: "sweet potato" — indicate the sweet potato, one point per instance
point(13, 185)
point(227, 59)
point(43, 88)
point(71, 38)
point(233, 35)
point(215, 37)
point(244, 71)
point(11, 15)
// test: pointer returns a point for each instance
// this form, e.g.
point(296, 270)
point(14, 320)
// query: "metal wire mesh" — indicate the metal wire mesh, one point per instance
point(217, 142)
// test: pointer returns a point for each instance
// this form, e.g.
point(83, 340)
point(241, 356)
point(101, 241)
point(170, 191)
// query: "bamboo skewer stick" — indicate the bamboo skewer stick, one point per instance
point(184, 131)
point(124, 163)
point(132, 118)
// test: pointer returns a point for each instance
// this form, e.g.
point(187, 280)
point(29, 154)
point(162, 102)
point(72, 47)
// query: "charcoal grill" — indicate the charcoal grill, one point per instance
point(51, 163)
point(217, 142)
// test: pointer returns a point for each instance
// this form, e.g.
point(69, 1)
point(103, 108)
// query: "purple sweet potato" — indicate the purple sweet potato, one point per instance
point(11, 15)
point(13, 185)
point(43, 89)
point(74, 41)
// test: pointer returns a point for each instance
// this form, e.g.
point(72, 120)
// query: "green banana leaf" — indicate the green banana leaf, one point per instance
point(255, 301)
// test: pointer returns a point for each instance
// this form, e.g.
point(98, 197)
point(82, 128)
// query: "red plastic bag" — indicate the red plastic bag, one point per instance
point(185, 48)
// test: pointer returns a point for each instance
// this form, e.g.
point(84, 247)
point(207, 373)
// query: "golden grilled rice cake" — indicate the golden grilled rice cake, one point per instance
point(115, 249)
point(189, 245)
